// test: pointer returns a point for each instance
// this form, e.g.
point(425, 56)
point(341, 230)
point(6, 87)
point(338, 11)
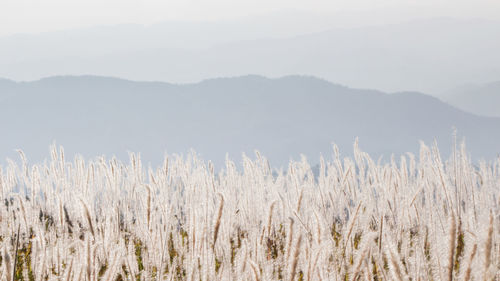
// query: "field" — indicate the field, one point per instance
point(412, 218)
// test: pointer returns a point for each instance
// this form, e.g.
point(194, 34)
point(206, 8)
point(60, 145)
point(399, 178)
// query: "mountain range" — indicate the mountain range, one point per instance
point(428, 55)
point(481, 99)
point(282, 118)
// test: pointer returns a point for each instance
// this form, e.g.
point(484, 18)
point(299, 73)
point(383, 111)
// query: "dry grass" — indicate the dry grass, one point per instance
point(409, 219)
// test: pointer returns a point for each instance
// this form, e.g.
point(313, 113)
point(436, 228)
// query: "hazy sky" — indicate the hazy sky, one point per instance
point(21, 16)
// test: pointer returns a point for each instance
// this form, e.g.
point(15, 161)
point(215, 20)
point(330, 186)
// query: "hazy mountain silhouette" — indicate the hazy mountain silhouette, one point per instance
point(481, 99)
point(430, 56)
point(280, 117)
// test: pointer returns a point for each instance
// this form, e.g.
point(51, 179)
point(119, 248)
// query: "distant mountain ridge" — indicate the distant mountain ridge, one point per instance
point(429, 56)
point(481, 99)
point(282, 118)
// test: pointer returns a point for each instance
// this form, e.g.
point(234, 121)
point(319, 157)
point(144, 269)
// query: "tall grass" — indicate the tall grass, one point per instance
point(408, 219)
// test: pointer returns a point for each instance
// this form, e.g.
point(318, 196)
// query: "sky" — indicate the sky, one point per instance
point(33, 16)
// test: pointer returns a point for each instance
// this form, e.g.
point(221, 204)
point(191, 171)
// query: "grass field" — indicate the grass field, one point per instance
point(413, 218)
